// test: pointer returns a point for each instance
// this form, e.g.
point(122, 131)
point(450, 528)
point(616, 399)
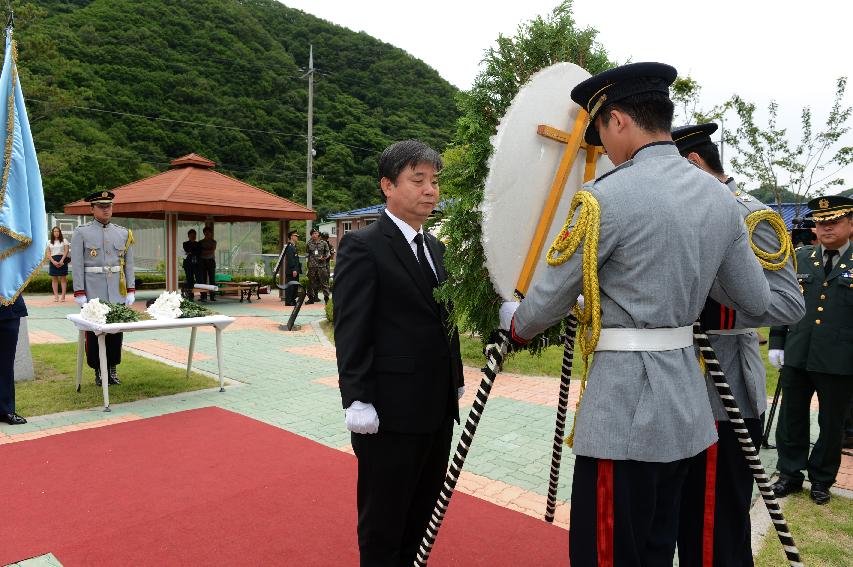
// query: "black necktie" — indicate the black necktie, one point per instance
point(827, 267)
point(422, 260)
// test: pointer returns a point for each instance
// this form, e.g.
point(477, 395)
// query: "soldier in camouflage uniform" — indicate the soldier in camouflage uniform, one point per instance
point(102, 257)
point(318, 270)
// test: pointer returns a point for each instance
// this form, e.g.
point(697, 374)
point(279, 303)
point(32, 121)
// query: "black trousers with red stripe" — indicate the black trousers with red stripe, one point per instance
point(112, 342)
point(625, 513)
point(714, 526)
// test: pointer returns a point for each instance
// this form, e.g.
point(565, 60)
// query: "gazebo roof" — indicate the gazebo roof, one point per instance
point(193, 190)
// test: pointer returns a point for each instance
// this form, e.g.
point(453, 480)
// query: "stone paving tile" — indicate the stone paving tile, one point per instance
point(315, 351)
point(11, 435)
point(45, 337)
point(48, 560)
point(167, 350)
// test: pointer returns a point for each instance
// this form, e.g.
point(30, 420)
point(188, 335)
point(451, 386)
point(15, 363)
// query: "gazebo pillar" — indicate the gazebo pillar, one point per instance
point(172, 252)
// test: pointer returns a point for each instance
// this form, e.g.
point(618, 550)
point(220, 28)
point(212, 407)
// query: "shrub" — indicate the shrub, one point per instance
point(330, 310)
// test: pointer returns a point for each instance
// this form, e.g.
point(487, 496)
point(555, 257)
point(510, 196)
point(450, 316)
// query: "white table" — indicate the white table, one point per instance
point(218, 322)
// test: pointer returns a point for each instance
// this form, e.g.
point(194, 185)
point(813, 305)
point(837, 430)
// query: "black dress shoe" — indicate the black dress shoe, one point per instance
point(820, 493)
point(97, 378)
point(14, 419)
point(113, 377)
point(786, 486)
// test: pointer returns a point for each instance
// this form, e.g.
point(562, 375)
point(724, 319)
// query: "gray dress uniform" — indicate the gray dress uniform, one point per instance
point(738, 353)
point(96, 252)
point(656, 266)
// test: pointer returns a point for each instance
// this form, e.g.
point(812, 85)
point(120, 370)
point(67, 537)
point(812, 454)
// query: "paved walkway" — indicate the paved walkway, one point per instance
point(289, 380)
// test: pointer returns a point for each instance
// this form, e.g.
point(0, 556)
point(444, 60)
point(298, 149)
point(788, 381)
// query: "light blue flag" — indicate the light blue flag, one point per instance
point(23, 222)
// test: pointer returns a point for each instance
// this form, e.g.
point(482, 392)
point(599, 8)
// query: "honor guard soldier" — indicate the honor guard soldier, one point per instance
point(318, 271)
point(816, 354)
point(645, 409)
point(102, 256)
point(714, 526)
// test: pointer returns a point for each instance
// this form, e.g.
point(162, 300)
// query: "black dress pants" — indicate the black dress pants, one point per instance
point(399, 479)
point(207, 274)
point(112, 342)
point(714, 527)
point(625, 513)
point(8, 347)
point(792, 432)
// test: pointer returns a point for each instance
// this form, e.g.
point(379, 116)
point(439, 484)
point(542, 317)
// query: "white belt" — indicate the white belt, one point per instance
point(645, 339)
point(101, 269)
point(729, 332)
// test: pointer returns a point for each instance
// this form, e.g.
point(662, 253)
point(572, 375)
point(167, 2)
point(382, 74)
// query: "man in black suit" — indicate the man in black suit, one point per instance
point(10, 322)
point(399, 366)
point(292, 267)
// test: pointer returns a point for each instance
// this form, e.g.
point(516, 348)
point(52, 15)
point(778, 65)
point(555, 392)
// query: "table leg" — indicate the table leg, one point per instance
point(192, 348)
point(81, 347)
point(219, 358)
point(105, 375)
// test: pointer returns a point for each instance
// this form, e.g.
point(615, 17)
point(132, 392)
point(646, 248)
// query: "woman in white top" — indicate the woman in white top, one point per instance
point(58, 269)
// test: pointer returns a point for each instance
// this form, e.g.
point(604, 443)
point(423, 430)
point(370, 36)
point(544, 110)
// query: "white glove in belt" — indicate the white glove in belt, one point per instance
point(102, 269)
point(669, 338)
point(729, 332)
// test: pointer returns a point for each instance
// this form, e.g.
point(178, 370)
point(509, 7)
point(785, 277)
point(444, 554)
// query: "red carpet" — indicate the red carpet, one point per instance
point(211, 487)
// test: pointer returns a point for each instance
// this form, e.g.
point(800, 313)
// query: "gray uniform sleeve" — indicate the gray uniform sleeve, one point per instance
point(128, 266)
point(786, 301)
point(740, 282)
point(555, 289)
point(78, 279)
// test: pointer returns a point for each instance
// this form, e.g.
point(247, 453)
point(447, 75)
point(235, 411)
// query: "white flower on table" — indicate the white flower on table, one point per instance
point(95, 312)
point(167, 306)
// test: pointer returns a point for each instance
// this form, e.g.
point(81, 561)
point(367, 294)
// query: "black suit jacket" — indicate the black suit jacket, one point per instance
point(291, 261)
point(395, 348)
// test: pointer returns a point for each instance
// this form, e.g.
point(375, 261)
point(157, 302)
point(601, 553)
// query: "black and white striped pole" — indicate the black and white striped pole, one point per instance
point(562, 408)
point(747, 446)
point(495, 354)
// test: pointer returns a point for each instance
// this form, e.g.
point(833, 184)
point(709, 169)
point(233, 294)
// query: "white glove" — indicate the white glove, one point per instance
point(129, 298)
point(506, 312)
point(80, 299)
point(777, 357)
point(362, 418)
point(580, 302)
point(460, 391)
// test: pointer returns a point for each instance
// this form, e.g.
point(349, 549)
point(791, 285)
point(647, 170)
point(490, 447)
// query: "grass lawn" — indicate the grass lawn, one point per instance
point(824, 534)
point(53, 389)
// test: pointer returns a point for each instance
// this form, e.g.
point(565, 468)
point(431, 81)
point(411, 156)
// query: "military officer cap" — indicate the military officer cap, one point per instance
point(101, 198)
point(830, 208)
point(615, 84)
point(687, 137)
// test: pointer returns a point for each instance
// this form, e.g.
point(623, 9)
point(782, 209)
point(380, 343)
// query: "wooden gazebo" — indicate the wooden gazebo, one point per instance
point(192, 190)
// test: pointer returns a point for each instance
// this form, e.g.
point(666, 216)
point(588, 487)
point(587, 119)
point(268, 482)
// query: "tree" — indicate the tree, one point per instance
point(536, 45)
point(806, 169)
point(684, 93)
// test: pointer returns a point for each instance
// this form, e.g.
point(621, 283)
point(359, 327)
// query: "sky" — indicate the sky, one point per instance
point(790, 52)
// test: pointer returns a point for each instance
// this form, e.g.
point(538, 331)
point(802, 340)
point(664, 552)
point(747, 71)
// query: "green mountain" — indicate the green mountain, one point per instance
point(117, 88)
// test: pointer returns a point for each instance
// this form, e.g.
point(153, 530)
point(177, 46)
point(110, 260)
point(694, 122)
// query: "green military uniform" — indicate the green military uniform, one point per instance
point(818, 358)
point(318, 271)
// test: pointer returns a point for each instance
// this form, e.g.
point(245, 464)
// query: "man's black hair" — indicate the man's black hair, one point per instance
point(652, 111)
point(408, 153)
point(207, 229)
point(291, 233)
point(708, 152)
point(191, 231)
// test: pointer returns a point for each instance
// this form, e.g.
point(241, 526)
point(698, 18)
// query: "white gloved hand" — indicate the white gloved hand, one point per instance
point(580, 302)
point(80, 299)
point(777, 357)
point(506, 312)
point(460, 391)
point(129, 298)
point(362, 418)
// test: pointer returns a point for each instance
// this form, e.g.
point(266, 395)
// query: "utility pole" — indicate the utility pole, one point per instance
point(310, 175)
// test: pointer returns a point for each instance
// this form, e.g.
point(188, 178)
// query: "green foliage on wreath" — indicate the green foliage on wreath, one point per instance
point(536, 45)
point(191, 309)
point(120, 313)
